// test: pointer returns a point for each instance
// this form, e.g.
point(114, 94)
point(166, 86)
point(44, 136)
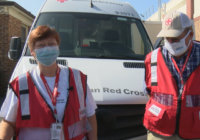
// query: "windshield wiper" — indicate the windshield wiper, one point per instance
point(118, 57)
point(105, 56)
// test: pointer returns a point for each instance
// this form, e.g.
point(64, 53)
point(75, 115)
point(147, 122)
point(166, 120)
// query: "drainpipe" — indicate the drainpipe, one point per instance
point(190, 8)
point(163, 10)
point(159, 10)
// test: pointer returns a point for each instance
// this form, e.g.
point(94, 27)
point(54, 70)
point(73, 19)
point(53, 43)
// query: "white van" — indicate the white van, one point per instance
point(107, 41)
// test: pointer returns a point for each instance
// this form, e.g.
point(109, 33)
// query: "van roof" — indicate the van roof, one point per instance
point(111, 7)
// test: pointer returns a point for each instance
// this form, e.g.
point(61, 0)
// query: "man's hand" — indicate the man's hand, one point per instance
point(92, 135)
point(7, 130)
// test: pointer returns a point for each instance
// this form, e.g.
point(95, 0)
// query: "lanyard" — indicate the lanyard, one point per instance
point(53, 95)
point(184, 65)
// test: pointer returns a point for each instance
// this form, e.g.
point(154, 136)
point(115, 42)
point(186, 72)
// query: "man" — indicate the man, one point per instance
point(51, 101)
point(172, 80)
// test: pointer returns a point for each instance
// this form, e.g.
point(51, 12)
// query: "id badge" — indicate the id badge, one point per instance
point(57, 131)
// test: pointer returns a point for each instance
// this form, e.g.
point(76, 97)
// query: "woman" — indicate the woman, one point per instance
point(50, 101)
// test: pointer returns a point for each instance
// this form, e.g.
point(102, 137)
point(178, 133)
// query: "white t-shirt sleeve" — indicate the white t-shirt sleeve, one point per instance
point(90, 103)
point(9, 107)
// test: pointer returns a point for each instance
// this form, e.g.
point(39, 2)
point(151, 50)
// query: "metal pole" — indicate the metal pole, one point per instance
point(159, 10)
point(164, 9)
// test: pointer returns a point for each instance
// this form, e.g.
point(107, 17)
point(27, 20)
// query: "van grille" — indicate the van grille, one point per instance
point(129, 121)
point(133, 65)
point(59, 61)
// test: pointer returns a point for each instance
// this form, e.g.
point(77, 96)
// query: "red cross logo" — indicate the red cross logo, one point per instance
point(57, 95)
point(168, 21)
point(61, 1)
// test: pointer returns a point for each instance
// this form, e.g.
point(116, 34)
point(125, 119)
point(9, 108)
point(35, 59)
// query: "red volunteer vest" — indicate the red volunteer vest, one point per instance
point(166, 112)
point(34, 111)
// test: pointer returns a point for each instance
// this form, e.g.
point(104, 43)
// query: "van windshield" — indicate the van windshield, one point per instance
point(98, 36)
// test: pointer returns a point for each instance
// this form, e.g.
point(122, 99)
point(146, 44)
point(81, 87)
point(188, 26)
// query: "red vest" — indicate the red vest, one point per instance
point(34, 111)
point(166, 112)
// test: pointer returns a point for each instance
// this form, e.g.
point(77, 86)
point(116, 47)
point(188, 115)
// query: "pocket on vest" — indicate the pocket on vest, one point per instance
point(162, 119)
point(155, 114)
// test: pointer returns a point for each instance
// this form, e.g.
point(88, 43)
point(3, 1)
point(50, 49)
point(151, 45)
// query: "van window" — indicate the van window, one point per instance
point(98, 36)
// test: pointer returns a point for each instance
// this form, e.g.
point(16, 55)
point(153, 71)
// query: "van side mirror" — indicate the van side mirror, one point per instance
point(15, 50)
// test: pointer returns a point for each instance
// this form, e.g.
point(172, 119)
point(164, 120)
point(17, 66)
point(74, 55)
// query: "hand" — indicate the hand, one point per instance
point(92, 135)
point(7, 129)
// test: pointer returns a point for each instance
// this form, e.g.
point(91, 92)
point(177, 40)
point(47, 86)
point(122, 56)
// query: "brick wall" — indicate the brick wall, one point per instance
point(197, 28)
point(9, 26)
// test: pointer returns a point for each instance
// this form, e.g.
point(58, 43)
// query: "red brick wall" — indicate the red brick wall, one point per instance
point(197, 28)
point(9, 26)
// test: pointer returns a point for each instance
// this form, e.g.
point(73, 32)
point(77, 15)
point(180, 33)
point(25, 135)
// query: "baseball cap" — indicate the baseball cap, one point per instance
point(174, 24)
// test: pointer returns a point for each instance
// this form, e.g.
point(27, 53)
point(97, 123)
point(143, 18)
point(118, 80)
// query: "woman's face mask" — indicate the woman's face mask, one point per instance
point(47, 55)
point(177, 48)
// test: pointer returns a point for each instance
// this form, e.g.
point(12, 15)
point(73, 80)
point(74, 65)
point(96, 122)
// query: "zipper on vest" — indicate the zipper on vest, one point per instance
point(178, 110)
point(178, 114)
point(178, 97)
point(179, 102)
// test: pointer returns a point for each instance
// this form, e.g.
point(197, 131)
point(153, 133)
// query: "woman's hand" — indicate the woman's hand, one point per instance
point(7, 130)
point(92, 135)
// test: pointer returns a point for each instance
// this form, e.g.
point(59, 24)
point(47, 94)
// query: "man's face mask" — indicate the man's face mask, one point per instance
point(47, 55)
point(177, 48)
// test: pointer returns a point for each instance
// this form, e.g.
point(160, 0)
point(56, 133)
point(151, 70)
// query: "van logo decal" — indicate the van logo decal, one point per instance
point(62, 1)
point(117, 91)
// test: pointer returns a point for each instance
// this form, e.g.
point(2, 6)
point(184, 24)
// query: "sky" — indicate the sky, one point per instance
point(141, 6)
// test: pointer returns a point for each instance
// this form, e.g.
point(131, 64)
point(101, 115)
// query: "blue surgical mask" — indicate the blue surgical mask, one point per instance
point(47, 55)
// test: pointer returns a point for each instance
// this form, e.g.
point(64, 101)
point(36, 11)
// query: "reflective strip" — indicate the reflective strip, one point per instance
point(79, 87)
point(162, 98)
point(24, 96)
point(199, 115)
point(84, 138)
point(192, 100)
point(76, 129)
point(23, 84)
point(154, 67)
